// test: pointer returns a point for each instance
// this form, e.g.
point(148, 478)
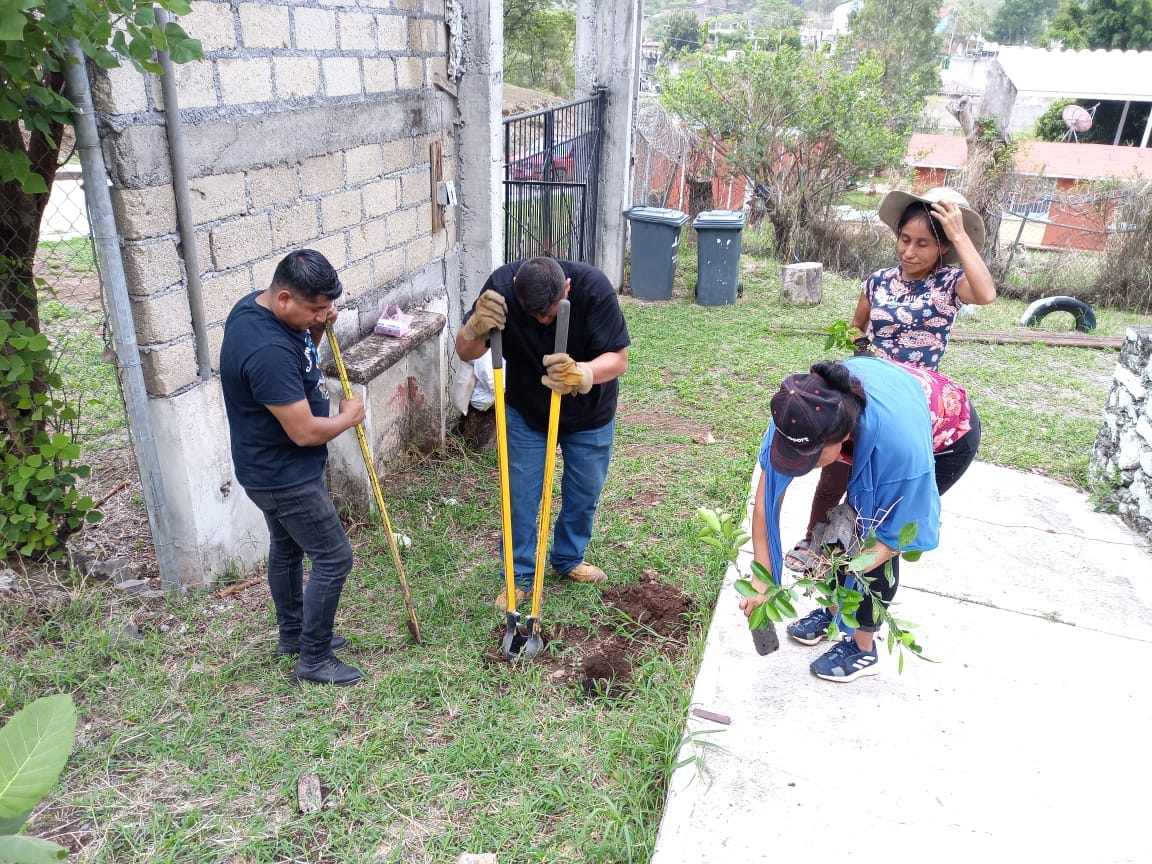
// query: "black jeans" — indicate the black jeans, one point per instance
point(950, 467)
point(302, 521)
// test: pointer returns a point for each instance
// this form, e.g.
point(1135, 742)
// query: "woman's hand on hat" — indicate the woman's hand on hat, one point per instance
point(951, 219)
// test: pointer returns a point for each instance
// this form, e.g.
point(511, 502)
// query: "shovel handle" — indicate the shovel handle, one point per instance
point(563, 314)
point(496, 341)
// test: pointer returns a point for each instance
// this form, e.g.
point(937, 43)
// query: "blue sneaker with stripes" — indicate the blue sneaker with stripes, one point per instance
point(845, 662)
point(812, 628)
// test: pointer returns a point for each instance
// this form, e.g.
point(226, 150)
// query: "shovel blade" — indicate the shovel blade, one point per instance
point(514, 640)
point(533, 645)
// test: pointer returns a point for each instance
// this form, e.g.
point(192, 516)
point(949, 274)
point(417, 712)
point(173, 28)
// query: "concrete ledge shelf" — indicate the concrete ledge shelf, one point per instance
point(403, 383)
point(373, 354)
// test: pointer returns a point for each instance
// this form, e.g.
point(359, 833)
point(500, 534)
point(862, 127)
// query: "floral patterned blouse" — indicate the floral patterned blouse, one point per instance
point(948, 405)
point(911, 321)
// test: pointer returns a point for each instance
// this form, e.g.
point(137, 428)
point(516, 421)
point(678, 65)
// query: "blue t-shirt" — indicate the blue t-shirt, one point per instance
point(264, 362)
point(893, 479)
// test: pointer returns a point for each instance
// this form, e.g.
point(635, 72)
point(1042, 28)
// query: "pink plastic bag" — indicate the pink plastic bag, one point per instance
point(398, 323)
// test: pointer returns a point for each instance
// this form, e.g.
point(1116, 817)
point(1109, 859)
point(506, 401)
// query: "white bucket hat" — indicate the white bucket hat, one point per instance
point(896, 202)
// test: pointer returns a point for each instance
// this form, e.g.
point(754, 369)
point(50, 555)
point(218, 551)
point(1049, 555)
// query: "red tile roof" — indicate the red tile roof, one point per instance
point(1047, 158)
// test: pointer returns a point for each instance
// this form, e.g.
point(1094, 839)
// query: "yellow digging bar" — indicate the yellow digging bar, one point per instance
point(413, 624)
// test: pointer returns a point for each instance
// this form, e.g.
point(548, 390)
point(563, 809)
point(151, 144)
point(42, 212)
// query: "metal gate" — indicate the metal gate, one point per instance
point(551, 168)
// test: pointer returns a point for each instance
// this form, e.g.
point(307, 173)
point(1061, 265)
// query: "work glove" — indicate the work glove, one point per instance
point(565, 375)
point(491, 311)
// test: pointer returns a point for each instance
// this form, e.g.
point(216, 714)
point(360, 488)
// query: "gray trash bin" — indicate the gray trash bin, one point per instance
point(718, 256)
point(655, 239)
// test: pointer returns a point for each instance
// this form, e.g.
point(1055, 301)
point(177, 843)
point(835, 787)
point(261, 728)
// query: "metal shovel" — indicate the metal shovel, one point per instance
point(338, 359)
point(526, 642)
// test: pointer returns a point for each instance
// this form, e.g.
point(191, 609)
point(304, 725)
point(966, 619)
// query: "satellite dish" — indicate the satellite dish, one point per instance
point(1077, 118)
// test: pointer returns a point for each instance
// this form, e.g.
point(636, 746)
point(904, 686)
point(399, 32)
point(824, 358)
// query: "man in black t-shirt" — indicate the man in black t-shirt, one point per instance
point(522, 299)
point(277, 404)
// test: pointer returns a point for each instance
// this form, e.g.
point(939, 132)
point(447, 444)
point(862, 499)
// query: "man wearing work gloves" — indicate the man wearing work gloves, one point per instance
point(522, 299)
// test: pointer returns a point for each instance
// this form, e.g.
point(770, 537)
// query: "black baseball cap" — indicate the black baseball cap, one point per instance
point(807, 413)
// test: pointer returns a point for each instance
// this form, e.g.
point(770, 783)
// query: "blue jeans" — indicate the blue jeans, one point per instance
point(586, 458)
point(302, 521)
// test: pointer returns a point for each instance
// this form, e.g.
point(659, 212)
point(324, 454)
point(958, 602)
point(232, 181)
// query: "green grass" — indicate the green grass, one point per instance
point(90, 384)
point(192, 739)
point(861, 200)
point(74, 256)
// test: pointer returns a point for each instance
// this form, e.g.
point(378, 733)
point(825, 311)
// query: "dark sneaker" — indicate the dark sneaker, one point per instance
point(812, 628)
point(845, 662)
point(293, 646)
point(330, 671)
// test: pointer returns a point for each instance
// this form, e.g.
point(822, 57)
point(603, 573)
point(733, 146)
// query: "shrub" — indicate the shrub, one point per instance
point(39, 504)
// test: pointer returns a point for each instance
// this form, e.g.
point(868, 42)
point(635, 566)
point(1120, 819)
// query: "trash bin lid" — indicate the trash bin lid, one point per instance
point(662, 215)
point(719, 219)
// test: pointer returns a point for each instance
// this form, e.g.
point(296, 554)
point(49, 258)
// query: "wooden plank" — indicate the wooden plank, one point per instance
point(436, 174)
point(1045, 337)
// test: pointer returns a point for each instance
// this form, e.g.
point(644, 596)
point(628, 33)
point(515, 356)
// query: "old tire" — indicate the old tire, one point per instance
point(1081, 312)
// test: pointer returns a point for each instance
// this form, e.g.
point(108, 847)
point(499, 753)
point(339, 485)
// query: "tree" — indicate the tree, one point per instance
point(39, 505)
point(1123, 24)
point(798, 125)
point(539, 45)
point(902, 34)
point(776, 15)
point(991, 155)
point(34, 110)
point(1020, 22)
point(969, 17)
point(683, 33)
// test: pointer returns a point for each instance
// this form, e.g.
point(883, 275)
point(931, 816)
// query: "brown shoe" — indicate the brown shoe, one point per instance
point(501, 603)
point(586, 573)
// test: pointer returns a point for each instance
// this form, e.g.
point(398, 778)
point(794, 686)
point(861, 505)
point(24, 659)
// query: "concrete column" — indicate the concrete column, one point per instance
point(607, 56)
point(480, 91)
point(218, 528)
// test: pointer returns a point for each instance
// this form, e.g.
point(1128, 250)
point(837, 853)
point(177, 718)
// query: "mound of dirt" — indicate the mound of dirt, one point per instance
point(653, 605)
point(599, 662)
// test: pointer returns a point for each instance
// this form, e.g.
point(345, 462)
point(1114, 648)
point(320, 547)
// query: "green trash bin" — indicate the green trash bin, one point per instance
point(718, 256)
point(655, 239)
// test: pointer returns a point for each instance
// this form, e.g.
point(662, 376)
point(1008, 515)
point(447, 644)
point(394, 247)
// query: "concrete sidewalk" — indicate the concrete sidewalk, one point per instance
point(1027, 741)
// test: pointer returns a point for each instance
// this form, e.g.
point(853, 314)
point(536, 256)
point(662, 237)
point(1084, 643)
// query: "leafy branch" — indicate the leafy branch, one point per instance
point(34, 747)
point(777, 602)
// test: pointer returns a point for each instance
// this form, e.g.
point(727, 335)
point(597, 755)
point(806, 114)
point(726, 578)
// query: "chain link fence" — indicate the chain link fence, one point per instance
point(1081, 239)
point(71, 312)
point(672, 169)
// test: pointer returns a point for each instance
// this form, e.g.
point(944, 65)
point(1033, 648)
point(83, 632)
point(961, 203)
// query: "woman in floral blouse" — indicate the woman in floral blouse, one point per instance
point(908, 310)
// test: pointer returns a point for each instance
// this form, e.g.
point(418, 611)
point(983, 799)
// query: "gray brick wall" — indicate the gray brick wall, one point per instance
point(306, 124)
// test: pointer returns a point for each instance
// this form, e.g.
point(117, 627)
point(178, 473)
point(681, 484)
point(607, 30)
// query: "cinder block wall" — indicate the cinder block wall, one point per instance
point(306, 124)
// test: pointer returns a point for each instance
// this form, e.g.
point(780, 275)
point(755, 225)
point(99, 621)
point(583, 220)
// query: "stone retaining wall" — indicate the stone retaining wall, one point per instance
point(1123, 455)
